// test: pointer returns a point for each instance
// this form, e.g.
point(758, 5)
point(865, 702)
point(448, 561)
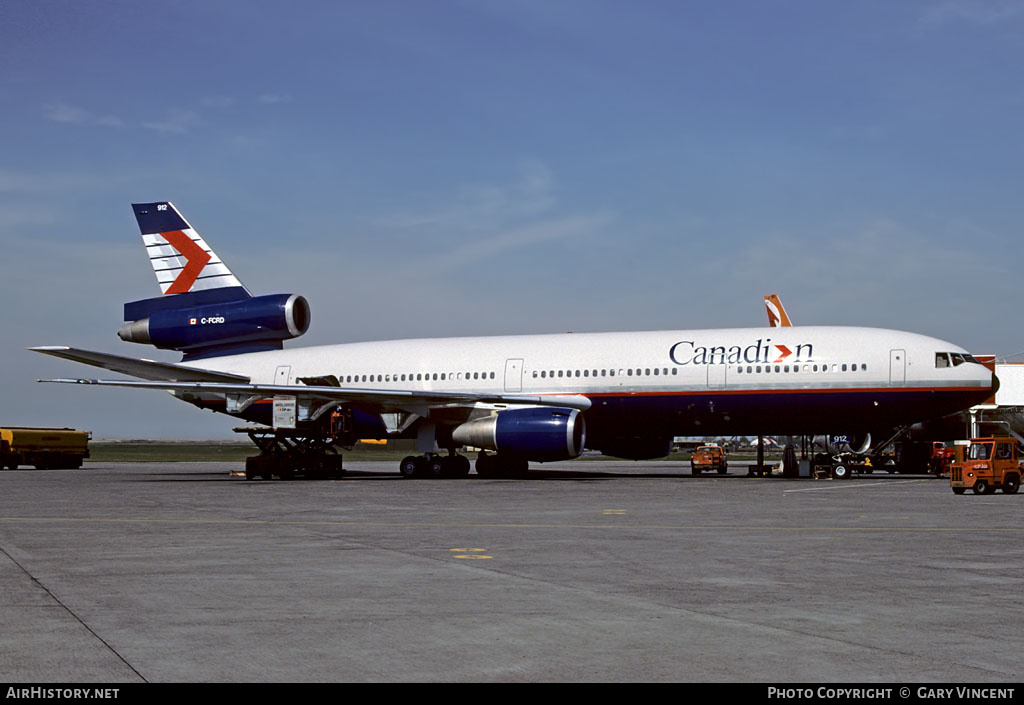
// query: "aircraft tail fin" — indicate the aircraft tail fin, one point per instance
point(777, 316)
point(181, 259)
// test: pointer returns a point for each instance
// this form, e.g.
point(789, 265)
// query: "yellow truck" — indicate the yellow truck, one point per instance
point(45, 448)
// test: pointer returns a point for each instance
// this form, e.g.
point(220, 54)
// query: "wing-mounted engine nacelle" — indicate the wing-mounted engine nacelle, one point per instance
point(857, 443)
point(262, 321)
point(539, 433)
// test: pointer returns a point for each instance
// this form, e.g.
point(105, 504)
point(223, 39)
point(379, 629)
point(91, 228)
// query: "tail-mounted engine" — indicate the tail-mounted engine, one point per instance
point(204, 324)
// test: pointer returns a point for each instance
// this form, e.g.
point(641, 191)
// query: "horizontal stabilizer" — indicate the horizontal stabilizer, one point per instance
point(144, 369)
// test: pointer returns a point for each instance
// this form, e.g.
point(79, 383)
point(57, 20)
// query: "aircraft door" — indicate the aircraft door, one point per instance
point(897, 366)
point(716, 376)
point(282, 374)
point(514, 375)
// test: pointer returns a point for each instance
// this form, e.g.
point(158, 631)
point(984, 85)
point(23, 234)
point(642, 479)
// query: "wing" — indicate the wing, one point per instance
point(388, 399)
point(143, 369)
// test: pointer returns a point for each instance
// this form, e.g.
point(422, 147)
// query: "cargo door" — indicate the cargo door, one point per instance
point(897, 366)
point(514, 375)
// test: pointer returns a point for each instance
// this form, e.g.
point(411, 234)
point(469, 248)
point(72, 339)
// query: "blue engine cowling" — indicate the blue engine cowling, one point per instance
point(539, 433)
point(255, 323)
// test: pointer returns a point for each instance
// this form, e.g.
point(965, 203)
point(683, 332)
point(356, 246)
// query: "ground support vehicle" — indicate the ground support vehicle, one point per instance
point(43, 448)
point(839, 467)
point(941, 458)
point(991, 463)
point(708, 458)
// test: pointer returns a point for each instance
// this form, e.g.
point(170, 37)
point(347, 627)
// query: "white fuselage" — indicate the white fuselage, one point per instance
point(799, 379)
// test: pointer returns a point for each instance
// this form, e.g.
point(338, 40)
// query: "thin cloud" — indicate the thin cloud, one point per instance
point(75, 115)
point(272, 98)
point(981, 14)
point(178, 122)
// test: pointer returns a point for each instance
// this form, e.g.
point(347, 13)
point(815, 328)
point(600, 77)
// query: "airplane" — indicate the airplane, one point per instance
point(519, 399)
point(776, 312)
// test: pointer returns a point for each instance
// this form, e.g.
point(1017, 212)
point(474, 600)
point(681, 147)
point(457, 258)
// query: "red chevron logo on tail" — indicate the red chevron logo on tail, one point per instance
point(195, 255)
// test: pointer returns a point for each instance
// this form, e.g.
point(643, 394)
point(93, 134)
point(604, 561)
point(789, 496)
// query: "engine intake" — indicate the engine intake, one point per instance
point(538, 433)
point(856, 443)
point(263, 321)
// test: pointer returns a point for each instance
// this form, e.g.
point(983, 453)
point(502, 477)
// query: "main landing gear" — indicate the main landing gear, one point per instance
point(433, 465)
point(290, 454)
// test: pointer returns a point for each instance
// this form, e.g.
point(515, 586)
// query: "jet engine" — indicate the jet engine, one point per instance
point(857, 443)
point(538, 433)
point(263, 320)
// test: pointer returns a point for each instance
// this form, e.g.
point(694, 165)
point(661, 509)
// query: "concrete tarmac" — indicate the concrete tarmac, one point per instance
point(588, 571)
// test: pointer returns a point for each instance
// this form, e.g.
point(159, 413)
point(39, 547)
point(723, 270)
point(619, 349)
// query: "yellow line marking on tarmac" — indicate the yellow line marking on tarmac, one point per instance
point(842, 484)
point(471, 525)
point(614, 512)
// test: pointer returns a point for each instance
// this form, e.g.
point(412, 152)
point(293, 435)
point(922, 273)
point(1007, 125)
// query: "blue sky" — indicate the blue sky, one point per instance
point(480, 167)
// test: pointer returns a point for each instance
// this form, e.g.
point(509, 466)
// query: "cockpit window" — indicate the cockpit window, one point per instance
point(953, 359)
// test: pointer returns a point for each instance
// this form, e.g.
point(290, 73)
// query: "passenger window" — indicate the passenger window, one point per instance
point(675, 370)
point(630, 372)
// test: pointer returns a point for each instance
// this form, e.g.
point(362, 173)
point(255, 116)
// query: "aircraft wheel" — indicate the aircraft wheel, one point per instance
point(437, 467)
point(410, 466)
point(460, 466)
point(485, 465)
point(982, 487)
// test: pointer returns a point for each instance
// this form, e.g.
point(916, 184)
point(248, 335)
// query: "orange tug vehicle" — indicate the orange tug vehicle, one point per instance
point(991, 463)
point(709, 458)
